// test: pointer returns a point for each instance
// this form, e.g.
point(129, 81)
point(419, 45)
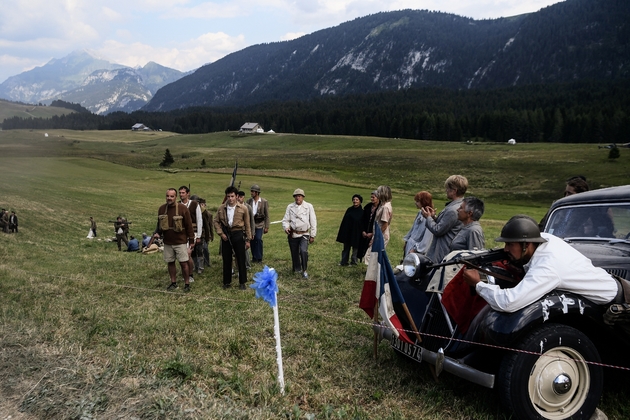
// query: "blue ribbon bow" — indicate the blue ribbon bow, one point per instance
point(265, 285)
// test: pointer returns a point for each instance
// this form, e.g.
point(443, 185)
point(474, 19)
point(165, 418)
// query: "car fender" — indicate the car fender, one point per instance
point(503, 328)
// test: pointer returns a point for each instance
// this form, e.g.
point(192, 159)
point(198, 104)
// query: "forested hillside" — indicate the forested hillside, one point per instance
point(575, 40)
point(561, 74)
point(573, 113)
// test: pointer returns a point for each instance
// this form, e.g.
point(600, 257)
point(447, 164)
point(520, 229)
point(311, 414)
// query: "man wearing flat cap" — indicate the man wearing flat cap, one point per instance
point(260, 208)
point(300, 225)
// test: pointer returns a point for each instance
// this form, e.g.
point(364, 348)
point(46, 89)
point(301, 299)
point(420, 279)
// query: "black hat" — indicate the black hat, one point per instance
point(520, 228)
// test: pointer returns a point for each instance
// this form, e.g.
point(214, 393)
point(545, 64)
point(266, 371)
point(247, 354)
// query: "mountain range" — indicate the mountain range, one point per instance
point(575, 40)
point(569, 41)
point(95, 83)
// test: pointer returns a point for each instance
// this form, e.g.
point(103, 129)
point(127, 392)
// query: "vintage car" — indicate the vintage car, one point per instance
point(543, 359)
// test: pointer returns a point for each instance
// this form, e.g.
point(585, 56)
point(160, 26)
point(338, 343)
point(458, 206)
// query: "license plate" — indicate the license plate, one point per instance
point(409, 350)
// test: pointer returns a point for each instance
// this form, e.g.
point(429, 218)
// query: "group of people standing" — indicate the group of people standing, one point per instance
point(434, 234)
point(8, 221)
point(187, 227)
point(356, 231)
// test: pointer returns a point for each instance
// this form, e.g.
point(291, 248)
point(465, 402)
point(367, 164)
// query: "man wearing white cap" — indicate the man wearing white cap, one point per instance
point(300, 224)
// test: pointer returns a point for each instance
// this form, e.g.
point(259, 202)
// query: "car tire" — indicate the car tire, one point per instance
point(548, 378)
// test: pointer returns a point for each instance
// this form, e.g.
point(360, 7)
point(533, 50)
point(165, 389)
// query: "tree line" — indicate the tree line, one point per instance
point(584, 112)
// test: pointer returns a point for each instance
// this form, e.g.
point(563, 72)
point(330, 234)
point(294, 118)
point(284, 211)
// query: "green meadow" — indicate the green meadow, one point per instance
point(89, 332)
point(15, 109)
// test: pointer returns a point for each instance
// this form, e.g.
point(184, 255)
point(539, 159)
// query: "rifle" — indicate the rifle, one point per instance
point(116, 221)
point(479, 261)
point(233, 179)
point(234, 173)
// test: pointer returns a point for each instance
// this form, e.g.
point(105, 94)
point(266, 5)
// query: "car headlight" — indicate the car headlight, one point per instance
point(411, 264)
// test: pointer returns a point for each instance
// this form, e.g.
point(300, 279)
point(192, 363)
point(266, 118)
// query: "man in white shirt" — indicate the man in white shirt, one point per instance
point(549, 263)
point(300, 224)
point(232, 224)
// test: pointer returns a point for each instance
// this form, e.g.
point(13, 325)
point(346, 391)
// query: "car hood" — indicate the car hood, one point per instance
point(611, 255)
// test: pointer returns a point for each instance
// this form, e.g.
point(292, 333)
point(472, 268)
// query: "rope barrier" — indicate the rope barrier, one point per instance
point(328, 316)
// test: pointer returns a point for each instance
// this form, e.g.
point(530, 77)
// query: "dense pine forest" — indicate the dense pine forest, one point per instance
point(581, 112)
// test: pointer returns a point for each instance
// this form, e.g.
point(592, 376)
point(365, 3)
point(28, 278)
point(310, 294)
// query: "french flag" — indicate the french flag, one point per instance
point(380, 287)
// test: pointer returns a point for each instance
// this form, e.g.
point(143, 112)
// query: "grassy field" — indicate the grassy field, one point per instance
point(88, 332)
point(13, 109)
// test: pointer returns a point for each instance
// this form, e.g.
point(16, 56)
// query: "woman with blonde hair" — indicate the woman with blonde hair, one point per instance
point(384, 212)
point(445, 225)
point(383, 216)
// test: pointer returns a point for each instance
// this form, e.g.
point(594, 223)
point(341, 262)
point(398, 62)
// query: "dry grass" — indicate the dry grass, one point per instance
point(87, 332)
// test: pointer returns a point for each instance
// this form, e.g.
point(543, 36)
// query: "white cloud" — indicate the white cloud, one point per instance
point(111, 14)
point(185, 56)
point(207, 10)
point(21, 63)
point(22, 22)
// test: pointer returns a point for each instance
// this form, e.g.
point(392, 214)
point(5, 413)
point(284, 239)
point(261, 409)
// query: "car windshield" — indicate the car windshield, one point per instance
point(591, 221)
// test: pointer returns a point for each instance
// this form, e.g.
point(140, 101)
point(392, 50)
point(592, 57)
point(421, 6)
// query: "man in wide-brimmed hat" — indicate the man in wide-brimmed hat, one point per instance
point(300, 224)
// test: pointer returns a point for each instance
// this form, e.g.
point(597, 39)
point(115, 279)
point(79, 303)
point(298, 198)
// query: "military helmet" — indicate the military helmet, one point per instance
point(299, 191)
point(255, 187)
point(520, 228)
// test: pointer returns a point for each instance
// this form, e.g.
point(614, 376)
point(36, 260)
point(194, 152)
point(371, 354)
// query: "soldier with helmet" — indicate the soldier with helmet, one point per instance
point(300, 224)
point(260, 208)
point(549, 263)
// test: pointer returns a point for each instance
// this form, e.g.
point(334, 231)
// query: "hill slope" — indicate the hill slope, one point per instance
point(573, 40)
point(14, 109)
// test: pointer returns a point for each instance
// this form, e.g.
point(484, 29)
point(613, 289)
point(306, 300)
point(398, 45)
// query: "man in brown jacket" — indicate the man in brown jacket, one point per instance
point(260, 208)
point(232, 224)
point(175, 224)
point(195, 215)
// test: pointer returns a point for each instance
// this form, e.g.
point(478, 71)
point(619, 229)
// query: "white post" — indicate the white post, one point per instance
point(276, 332)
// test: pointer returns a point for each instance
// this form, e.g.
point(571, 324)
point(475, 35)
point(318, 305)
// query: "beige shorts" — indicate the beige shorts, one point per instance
point(179, 252)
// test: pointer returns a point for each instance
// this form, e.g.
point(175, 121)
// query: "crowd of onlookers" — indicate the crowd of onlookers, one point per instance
point(8, 221)
point(241, 224)
point(432, 233)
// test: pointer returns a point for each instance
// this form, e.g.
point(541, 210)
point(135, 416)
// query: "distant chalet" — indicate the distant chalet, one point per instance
point(251, 128)
point(140, 127)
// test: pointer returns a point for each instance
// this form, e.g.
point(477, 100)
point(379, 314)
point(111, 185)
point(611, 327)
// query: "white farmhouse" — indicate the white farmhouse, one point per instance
point(140, 127)
point(251, 128)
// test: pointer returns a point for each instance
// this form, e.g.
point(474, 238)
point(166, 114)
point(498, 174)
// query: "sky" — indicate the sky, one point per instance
point(186, 34)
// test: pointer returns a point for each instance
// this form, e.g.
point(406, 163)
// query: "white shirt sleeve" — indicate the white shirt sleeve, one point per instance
point(286, 220)
point(536, 283)
point(554, 265)
point(199, 222)
point(312, 220)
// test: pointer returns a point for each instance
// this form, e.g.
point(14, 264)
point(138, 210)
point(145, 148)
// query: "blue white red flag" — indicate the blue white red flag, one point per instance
point(380, 286)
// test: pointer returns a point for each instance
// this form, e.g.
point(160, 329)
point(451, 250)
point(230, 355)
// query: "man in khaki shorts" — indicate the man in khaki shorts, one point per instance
point(175, 224)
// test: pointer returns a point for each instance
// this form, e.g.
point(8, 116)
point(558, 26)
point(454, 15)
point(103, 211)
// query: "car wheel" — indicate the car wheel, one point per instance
point(556, 382)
